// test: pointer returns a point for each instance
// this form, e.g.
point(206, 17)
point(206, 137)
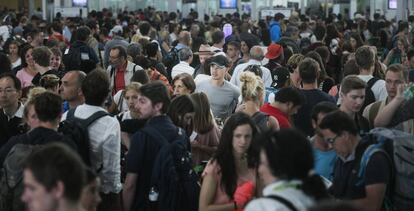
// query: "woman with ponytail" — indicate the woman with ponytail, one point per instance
point(286, 168)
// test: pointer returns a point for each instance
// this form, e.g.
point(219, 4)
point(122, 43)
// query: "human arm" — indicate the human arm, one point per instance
point(384, 117)
point(388, 58)
point(273, 124)
point(128, 192)
point(207, 194)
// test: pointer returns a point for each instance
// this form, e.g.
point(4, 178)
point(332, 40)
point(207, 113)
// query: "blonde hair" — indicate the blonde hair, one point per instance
point(252, 87)
point(133, 86)
point(35, 91)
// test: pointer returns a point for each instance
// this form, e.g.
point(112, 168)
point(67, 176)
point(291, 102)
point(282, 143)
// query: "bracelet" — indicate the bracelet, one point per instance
point(235, 205)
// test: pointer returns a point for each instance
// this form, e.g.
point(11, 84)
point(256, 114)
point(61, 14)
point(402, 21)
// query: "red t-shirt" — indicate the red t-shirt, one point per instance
point(120, 78)
point(281, 117)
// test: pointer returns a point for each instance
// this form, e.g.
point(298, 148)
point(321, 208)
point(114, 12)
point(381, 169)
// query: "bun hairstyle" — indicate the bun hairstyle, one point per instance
point(252, 87)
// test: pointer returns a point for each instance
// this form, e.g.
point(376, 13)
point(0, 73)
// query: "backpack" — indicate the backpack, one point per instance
point(11, 176)
point(174, 184)
point(399, 147)
point(369, 94)
point(72, 59)
point(77, 130)
point(171, 59)
point(305, 42)
point(254, 69)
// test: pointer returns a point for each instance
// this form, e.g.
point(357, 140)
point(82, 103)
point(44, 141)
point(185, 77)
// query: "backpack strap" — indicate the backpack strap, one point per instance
point(121, 100)
point(71, 113)
point(371, 82)
point(133, 69)
point(97, 115)
point(283, 201)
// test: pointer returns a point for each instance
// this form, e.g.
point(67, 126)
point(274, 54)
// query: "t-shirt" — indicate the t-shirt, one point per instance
point(24, 77)
point(223, 99)
point(282, 118)
point(324, 162)
point(302, 118)
point(379, 90)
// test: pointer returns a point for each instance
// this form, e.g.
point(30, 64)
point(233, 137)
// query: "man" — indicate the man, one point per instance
point(41, 57)
point(104, 137)
point(409, 63)
point(154, 54)
point(309, 73)
point(48, 109)
point(256, 57)
point(218, 41)
point(11, 112)
point(184, 40)
point(222, 95)
point(324, 155)
point(275, 56)
point(120, 70)
point(352, 93)
point(204, 53)
point(54, 178)
point(35, 38)
point(80, 56)
point(71, 88)
point(92, 41)
point(117, 39)
point(287, 102)
point(186, 57)
point(275, 29)
point(152, 104)
point(341, 133)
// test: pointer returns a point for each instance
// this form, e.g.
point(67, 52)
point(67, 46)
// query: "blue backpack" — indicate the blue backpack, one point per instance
point(399, 148)
point(174, 184)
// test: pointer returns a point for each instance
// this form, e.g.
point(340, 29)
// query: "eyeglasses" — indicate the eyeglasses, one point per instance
point(7, 90)
point(331, 140)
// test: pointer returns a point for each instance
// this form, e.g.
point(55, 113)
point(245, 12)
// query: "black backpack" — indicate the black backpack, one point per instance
point(171, 59)
point(72, 59)
point(77, 130)
point(305, 42)
point(11, 176)
point(174, 184)
point(369, 94)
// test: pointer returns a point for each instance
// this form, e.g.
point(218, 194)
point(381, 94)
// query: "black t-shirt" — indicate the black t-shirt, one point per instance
point(9, 128)
point(302, 119)
point(38, 76)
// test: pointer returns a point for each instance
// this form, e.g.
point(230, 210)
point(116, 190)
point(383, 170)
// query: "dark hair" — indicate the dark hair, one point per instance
point(331, 33)
point(157, 92)
point(140, 76)
point(410, 53)
point(364, 57)
point(309, 70)
point(330, 205)
point(357, 37)
point(82, 33)
point(122, 51)
point(235, 44)
point(224, 154)
point(338, 122)
point(151, 49)
point(187, 80)
point(95, 87)
point(322, 107)
point(24, 49)
point(318, 58)
point(91, 24)
point(144, 28)
point(323, 51)
point(90, 176)
point(399, 68)
point(41, 55)
point(282, 149)
point(203, 121)
point(351, 68)
point(180, 106)
point(58, 163)
point(5, 63)
point(290, 94)
point(352, 82)
point(56, 51)
point(49, 81)
point(48, 106)
point(16, 82)
point(217, 37)
point(319, 32)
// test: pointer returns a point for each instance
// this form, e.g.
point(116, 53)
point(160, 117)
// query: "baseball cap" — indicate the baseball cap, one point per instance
point(273, 51)
point(220, 61)
point(117, 29)
point(279, 77)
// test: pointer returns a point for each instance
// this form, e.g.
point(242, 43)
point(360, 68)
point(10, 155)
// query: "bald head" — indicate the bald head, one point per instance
point(185, 38)
point(256, 53)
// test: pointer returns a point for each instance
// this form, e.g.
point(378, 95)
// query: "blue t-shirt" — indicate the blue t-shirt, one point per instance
point(324, 162)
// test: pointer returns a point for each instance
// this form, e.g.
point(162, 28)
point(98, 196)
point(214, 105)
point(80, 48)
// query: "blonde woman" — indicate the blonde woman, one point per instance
point(253, 92)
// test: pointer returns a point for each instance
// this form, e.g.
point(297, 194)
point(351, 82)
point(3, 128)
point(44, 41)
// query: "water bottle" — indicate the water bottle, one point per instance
point(153, 195)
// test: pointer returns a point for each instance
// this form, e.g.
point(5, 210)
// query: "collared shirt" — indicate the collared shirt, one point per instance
point(267, 77)
point(10, 125)
point(18, 113)
point(182, 67)
point(105, 143)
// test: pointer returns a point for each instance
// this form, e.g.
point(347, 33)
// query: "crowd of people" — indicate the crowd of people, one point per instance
point(149, 110)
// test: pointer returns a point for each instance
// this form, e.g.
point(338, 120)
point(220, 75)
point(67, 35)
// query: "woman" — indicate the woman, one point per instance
point(252, 91)
point(398, 55)
point(293, 65)
point(181, 112)
point(26, 74)
point(207, 133)
point(14, 55)
point(50, 82)
point(183, 84)
point(230, 173)
point(90, 197)
point(245, 46)
point(286, 165)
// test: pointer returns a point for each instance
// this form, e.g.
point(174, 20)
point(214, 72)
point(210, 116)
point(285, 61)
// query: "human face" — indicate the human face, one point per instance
point(114, 59)
point(55, 62)
point(31, 118)
point(264, 169)
point(244, 48)
point(145, 107)
point(353, 100)
point(339, 142)
point(131, 96)
point(9, 96)
point(353, 42)
point(180, 88)
point(232, 51)
point(29, 58)
point(203, 57)
point(13, 49)
point(400, 46)
point(217, 72)
point(392, 81)
point(242, 137)
point(411, 63)
point(293, 109)
point(69, 89)
point(90, 198)
point(35, 195)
